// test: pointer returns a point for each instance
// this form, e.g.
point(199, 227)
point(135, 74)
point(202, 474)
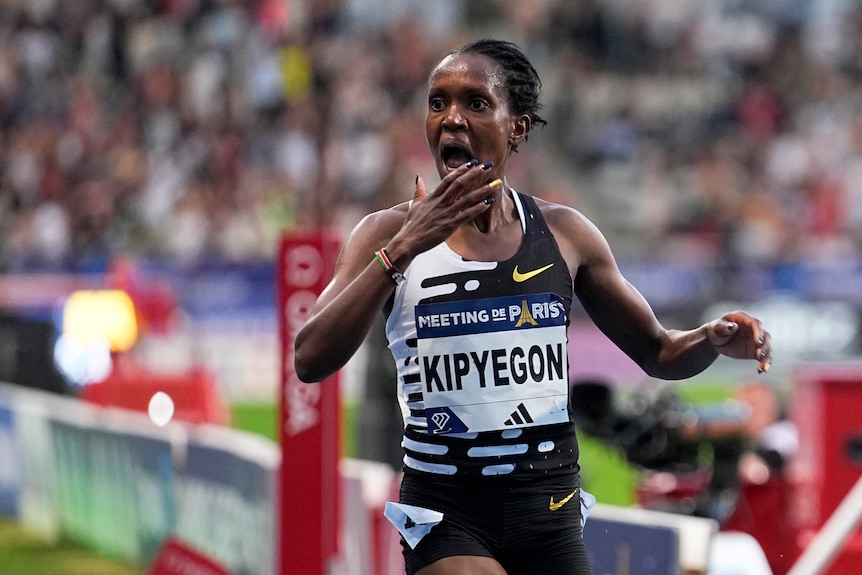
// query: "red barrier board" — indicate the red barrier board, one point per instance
point(177, 558)
point(310, 417)
point(195, 394)
point(826, 410)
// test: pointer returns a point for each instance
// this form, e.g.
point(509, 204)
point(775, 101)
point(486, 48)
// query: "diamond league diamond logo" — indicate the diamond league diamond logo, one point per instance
point(440, 419)
point(444, 420)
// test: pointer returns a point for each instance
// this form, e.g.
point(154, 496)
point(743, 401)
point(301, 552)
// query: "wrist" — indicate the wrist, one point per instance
point(383, 258)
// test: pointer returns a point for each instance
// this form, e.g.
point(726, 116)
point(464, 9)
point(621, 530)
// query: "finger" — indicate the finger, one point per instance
point(764, 353)
point(724, 330)
point(457, 173)
point(476, 209)
point(420, 191)
point(491, 187)
point(485, 199)
point(727, 329)
point(762, 337)
point(455, 184)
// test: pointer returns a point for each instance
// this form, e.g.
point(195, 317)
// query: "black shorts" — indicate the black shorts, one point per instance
point(529, 528)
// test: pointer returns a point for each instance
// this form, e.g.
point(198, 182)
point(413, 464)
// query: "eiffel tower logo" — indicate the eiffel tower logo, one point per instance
point(525, 316)
point(519, 416)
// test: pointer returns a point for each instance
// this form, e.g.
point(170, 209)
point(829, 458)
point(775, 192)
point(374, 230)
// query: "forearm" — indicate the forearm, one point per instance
point(681, 354)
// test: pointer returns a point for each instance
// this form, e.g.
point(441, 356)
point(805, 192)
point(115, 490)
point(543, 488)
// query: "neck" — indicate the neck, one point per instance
point(493, 236)
point(498, 214)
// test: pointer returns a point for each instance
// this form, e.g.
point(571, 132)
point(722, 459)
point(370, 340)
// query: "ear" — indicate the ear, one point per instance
point(520, 128)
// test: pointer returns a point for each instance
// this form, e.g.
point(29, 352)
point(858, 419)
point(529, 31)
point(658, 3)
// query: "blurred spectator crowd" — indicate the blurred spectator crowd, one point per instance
point(717, 130)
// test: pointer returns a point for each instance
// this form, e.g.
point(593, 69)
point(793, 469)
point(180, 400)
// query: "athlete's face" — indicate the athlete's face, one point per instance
point(468, 113)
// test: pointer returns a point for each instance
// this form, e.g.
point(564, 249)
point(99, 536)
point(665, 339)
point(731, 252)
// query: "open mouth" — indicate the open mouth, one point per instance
point(455, 154)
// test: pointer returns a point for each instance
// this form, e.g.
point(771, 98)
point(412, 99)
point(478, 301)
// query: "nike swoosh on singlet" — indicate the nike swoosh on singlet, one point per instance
point(554, 506)
point(522, 277)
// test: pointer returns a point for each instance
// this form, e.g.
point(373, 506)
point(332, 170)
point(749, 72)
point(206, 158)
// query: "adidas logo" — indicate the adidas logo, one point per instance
point(519, 416)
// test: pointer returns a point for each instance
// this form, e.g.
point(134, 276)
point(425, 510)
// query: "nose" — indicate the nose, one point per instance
point(453, 119)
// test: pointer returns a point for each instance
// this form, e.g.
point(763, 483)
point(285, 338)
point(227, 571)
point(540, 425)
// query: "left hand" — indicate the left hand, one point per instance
point(741, 336)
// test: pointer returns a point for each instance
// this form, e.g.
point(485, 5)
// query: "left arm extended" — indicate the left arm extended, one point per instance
point(624, 315)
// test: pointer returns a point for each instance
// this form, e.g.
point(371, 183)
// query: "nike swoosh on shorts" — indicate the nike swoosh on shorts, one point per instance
point(553, 506)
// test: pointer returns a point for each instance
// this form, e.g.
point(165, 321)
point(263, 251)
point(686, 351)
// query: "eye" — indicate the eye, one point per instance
point(436, 104)
point(478, 104)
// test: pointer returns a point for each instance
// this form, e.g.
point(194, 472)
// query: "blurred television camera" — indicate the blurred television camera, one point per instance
point(693, 456)
point(648, 424)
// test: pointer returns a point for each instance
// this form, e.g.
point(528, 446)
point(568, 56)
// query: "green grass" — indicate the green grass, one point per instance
point(23, 552)
point(605, 473)
point(259, 418)
point(262, 419)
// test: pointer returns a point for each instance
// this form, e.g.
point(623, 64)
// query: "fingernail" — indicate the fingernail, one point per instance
point(472, 163)
point(761, 340)
point(763, 354)
point(764, 369)
point(487, 165)
point(495, 183)
point(489, 200)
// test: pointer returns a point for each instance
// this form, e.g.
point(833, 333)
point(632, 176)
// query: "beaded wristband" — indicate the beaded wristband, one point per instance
point(390, 269)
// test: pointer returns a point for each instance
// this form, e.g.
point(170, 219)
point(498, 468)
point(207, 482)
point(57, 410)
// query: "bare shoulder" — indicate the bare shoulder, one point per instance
point(559, 213)
point(579, 239)
point(566, 221)
point(377, 228)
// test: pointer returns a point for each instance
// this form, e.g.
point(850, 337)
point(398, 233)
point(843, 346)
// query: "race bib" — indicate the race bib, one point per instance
point(493, 364)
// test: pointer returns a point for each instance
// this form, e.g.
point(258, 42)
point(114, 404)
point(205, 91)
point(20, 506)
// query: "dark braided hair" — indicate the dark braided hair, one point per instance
point(522, 80)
